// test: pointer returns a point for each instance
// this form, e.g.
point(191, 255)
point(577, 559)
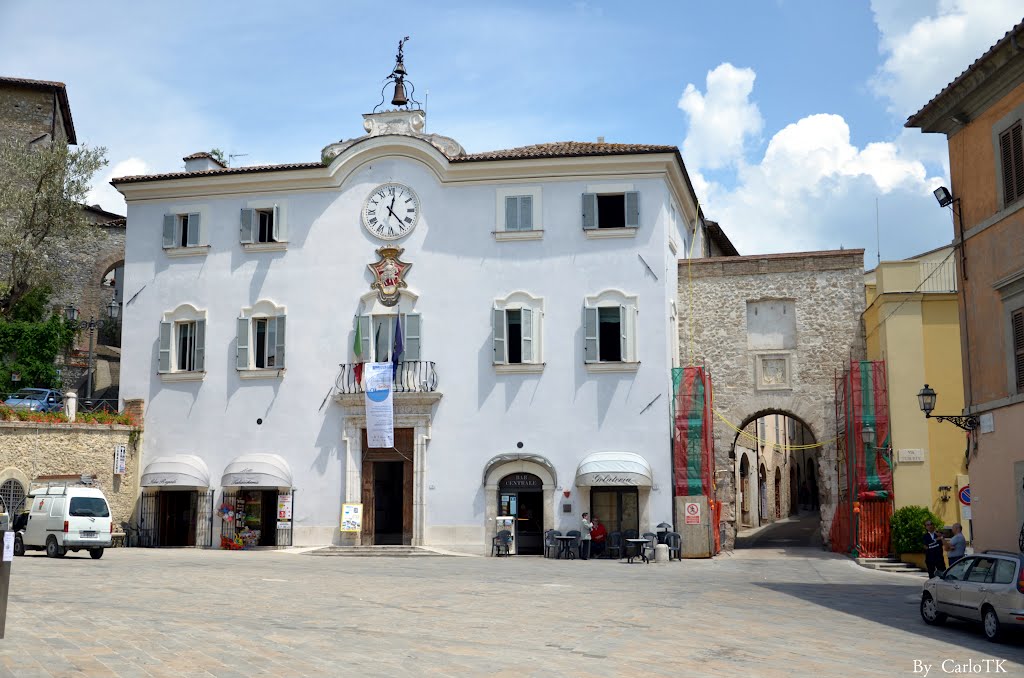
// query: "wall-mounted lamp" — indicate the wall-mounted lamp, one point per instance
point(926, 398)
point(943, 195)
point(946, 199)
point(945, 490)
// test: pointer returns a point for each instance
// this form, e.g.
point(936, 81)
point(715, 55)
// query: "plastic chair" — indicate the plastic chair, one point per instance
point(614, 544)
point(550, 543)
point(501, 543)
point(574, 546)
point(652, 540)
point(675, 545)
point(630, 534)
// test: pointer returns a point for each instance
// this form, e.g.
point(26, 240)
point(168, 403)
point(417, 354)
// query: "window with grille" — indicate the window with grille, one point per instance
point(12, 496)
point(1011, 153)
point(1018, 347)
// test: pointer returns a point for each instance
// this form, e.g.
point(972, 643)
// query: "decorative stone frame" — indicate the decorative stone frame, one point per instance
point(521, 300)
point(761, 358)
point(203, 246)
point(264, 308)
point(281, 207)
point(12, 473)
point(412, 410)
point(616, 298)
point(183, 313)
point(499, 471)
point(1003, 124)
point(1011, 294)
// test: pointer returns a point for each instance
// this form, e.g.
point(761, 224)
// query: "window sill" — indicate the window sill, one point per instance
point(261, 373)
point(502, 236)
point(603, 233)
point(612, 367)
point(182, 376)
point(518, 368)
point(193, 251)
point(265, 246)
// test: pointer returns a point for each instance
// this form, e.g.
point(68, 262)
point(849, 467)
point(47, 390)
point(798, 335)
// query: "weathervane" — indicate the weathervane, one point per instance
point(397, 75)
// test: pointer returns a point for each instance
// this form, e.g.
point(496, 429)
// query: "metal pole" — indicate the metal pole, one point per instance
point(5, 576)
point(88, 387)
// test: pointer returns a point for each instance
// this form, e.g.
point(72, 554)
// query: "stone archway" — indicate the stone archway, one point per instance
point(772, 330)
point(503, 465)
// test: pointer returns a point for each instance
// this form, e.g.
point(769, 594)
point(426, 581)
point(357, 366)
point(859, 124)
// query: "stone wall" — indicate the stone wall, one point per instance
point(27, 113)
point(827, 289)
point(29, 450)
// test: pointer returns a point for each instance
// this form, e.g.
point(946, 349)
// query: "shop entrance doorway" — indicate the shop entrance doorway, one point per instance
point(521, 497)
point(618, 508)
point(177, 516)
point(387, 491)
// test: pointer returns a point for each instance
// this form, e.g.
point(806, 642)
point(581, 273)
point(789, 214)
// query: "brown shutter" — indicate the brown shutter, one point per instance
point(1018, 347)
point(1011, 154)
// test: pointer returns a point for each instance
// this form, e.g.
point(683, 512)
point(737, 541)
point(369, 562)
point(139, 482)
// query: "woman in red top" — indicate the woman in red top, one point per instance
point(598, 535)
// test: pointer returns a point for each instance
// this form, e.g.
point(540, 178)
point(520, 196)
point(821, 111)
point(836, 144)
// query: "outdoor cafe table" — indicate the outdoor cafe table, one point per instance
point(564, 546)
point(638, 544)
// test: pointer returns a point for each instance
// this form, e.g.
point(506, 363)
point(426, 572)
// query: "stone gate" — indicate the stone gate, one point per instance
point(772, 330)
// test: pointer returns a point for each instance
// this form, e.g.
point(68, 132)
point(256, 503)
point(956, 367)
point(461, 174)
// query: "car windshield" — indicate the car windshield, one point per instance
point(30, 394)
point(93, 507)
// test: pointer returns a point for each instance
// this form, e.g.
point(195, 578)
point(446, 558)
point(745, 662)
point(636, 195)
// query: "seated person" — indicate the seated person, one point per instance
point(598, 537)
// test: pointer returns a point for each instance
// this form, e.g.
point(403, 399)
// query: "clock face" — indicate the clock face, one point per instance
point(391, 211)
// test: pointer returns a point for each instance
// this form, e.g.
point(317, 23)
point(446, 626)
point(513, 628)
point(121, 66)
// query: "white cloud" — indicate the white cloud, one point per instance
point(721, 120)
point(925, 53)
point(105, 195)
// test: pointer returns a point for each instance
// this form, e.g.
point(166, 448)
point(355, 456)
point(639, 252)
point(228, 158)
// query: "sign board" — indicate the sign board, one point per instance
point(909, 455)
point(351, 517)
point(520, 481)
point(965, 495)
point(987, 422)
point(380, 411)
point(8, 547)
point(284, 507)
point(120, 459)
point(284, 525)
point(692, 513)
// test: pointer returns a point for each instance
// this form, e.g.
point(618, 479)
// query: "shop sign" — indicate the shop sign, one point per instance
point(120, 459)
point(284, 507)
point(630, 479)
point(240, 479)
point(351, 517)
point(162, 479)
point(520, 481)
point(692, 514)
point(284, 524)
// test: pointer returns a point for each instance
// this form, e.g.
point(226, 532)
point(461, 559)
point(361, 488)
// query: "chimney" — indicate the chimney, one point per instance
point(600, 140)
point(202, 161)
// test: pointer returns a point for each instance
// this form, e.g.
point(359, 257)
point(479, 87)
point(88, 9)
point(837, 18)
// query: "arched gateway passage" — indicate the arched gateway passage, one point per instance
point(772, 330)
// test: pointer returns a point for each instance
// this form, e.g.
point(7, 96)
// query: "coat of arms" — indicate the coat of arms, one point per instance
point(389, 274)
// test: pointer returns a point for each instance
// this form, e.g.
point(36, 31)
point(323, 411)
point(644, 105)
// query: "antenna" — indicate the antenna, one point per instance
point(426, 107)
point(878, 237)
point(236, 155)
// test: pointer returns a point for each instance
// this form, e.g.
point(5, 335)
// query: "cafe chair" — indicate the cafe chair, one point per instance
point(501, 543)
point(550, 543)
point(630, 534)
point(613, 546)
point(574, 545)
point(652, 540)
point(675, 545)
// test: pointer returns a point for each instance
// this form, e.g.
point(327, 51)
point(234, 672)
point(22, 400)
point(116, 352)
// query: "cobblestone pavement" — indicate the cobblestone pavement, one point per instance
point(760, 612)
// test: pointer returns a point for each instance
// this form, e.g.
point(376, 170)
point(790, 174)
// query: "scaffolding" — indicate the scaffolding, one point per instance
point(860, 526)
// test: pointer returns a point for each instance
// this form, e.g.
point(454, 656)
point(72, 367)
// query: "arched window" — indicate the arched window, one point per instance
point(12, 496)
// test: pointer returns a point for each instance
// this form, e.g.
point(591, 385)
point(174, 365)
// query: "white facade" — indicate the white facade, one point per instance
point(464, 269)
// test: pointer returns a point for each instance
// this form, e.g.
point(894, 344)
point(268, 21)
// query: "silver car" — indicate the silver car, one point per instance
point(986, 587)
point(37, 400)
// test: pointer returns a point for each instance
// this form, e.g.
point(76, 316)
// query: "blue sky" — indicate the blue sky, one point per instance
point(789, 113)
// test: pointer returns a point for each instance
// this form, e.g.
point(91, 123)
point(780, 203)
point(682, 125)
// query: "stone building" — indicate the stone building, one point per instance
point(773, 330)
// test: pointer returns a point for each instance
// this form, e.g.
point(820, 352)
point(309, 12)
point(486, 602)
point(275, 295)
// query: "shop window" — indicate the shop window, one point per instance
point(617, 507)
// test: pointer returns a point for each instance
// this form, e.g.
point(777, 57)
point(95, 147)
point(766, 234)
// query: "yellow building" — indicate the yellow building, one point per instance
point(912, 322)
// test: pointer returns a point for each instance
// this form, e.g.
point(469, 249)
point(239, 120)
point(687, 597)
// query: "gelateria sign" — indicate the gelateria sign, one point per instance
point(632, 479)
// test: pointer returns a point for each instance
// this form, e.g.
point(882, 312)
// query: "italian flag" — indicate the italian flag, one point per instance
point(357, 348)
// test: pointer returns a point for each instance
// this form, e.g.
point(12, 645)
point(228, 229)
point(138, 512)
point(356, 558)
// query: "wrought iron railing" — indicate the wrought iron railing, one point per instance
point(88, 405)
point(412, 376)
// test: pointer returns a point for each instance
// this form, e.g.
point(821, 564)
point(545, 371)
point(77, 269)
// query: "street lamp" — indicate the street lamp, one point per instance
point(926, 398)
point(92, 325)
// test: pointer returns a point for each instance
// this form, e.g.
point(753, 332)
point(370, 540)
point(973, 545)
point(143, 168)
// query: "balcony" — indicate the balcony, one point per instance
point(413, 376)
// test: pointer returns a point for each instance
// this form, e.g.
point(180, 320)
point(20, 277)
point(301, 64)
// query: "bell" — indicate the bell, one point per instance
point(399, 99)
point(400, 69)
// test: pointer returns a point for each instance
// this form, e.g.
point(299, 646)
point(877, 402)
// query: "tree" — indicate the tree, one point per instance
point(218, 155)
point(42, 190)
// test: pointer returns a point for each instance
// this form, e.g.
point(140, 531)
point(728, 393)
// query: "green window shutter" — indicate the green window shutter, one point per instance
point(280, 230)
point(632, 209)
point(526, 213)
point(589, 211)
point(411, 337)
point(624, 333)
point(194, 225)
point(200, 346)
point(498, 330)
point(279, 342)
point(169, 223)
point(242, 344)
point(590, 335)
point(247, 226)
point(165, 347)
point(511, 213)
point(365, 338)
point(527, 330)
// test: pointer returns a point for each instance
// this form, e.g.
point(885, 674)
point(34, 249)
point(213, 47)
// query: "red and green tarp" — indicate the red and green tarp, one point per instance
point(692, 442)
point(871, 413)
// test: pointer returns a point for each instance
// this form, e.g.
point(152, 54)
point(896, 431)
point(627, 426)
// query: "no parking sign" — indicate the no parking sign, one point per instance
point(965, 502)
point(692, 512)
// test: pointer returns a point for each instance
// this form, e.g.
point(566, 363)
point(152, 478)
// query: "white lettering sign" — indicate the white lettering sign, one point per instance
point(909, 455)
point(120, 459)
point(8, 547)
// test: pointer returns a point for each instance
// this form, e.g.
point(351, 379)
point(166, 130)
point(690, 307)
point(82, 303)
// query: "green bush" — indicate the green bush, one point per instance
point(907, 528)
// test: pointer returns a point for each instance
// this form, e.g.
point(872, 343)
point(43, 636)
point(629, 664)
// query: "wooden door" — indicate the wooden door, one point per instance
point(402, 451)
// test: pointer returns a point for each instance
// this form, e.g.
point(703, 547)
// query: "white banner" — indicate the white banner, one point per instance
point(380, 413)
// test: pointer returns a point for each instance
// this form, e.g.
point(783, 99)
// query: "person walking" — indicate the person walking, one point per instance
point(585, 537)
point(957, 545)
point(933, 558)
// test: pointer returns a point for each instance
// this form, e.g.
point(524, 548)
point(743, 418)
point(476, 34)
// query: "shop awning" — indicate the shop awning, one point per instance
point(176, 470)
point(257, 470)
point(614, 468)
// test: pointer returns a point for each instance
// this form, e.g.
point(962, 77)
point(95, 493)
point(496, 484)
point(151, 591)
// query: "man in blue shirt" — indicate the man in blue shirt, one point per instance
point(933, 558)
point(957, 544)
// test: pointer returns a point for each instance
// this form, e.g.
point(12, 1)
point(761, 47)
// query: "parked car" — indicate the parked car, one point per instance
point(37, 400)
point(986, 587)
point(66, 518)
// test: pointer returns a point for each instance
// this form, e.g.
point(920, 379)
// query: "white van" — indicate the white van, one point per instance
point(67, 517)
